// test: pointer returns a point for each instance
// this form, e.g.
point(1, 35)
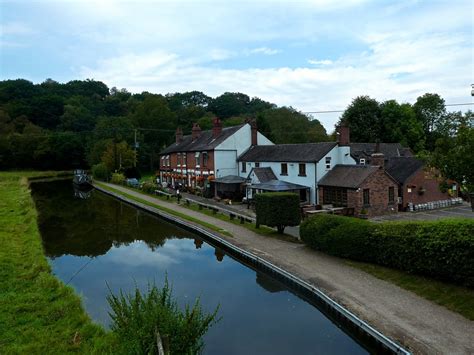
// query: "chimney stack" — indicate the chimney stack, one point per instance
point(343, 135)
point(254, 132)
point(179, 135)
point(217, 127)
point(196, 131)
point(377, 158)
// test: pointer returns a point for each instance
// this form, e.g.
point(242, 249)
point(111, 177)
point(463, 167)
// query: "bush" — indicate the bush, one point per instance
point(440, 249)
point(148, 187)
point(137, 319)
point(100, 172)
point(278, 209)
point(117, 178)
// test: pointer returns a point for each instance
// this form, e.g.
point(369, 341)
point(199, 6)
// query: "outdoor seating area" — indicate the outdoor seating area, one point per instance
point(310, 210)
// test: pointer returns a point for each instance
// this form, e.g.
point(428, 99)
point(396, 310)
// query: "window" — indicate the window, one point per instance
point(179, 159)
point(244, 167)
point(168, 160)
point(257, 165)
point(336, 196)
point(183, 159)
point(362, 161)
point(328, 163)
point(197, 156)
point(366, 197)
point(302, 169)
point(284, 169)
point(391, 194)
point(205, 158)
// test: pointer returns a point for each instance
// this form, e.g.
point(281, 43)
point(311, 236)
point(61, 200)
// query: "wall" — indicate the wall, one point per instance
point(427, 180)
point(225, 163)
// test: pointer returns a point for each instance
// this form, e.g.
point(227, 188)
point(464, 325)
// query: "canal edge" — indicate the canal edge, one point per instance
point(275, 270)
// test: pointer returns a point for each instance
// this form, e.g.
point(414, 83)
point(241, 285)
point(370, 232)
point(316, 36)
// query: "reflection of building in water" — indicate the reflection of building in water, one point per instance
point(219, 254)
point(198, 243)
point(269, 283)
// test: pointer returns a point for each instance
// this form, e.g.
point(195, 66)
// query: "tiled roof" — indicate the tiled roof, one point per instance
point(204, 142)
point(278, 185)
point(264, 174)
point(307, 152)
point(230, 179)
point(390, 150)
point(402, 168)
point(350, 176)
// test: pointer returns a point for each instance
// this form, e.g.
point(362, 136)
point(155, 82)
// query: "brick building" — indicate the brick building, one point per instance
point(361, 187)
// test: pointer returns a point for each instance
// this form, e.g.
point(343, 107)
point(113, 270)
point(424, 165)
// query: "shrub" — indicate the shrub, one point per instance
point(278, 209)
point(117, 178)
point(100, 172)
point(148, 187)
point(440, 249)
point(138, 318)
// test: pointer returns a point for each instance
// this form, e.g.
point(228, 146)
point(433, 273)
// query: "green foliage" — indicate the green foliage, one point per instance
point(100, 172)
point(278, 209)
point(117, 178)
point(441, 249)
point(149, 187)
point(362, 116)
point(137, 319)
point(118, 156)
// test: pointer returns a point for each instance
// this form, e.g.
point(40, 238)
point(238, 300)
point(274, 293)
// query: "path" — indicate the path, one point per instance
point(418, 324)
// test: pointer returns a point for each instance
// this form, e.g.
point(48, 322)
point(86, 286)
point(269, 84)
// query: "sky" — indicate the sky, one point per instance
point(314, 55)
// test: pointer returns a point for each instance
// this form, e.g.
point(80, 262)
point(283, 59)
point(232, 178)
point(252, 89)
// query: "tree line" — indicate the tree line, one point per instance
point(56, 125)
point(81, 123)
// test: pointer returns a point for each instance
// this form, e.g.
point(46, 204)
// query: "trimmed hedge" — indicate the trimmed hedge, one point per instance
point(278, 209)
point(440, 249)
point(100, 172)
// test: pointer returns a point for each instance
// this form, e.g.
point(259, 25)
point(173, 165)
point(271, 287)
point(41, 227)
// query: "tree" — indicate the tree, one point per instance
point(430, 110)
point(230, 104)
point(362, 116)
point(118, 156)
point(278, 209)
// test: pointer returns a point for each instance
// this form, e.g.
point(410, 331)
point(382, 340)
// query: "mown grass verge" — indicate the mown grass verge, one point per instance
point(164, 209)
point(38, 313)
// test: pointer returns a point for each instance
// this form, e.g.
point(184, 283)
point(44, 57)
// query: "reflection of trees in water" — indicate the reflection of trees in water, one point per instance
point(219, 253)
point(269, 284)
point(92, 226)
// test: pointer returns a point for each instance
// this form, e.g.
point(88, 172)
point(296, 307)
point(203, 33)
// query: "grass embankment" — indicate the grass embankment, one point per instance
point(262, 230)
point(38, 313)
point(433, 259)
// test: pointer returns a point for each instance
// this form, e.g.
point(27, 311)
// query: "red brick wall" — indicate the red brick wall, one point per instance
point(427, 180)
point(378, 184)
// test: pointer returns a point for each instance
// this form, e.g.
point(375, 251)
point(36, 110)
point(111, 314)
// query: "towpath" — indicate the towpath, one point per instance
point(419, 325)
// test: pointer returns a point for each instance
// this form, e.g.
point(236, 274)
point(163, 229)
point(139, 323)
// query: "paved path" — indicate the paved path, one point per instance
point(418, 324)
point(461, 211)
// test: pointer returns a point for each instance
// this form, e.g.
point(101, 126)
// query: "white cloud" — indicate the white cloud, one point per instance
point(320, 62)
point(265, 50)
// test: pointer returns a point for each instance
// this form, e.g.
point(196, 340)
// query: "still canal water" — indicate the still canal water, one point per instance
point(98, 241)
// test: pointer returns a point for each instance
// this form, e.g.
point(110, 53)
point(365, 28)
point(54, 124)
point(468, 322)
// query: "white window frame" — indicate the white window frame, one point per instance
point(328, 163)
point(362, 161)
point(197, 157)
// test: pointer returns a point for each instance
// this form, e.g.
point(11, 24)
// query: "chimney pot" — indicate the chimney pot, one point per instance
point(253, 132)
point(196, 131)
point(217, 127)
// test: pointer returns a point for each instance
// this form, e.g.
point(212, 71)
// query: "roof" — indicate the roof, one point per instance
point(264, 174)
point(230, 179)
point(204, 142)
point(390, 150)
point(307, 152)
point(278, 185)
point(350, 176)
point(403, 167)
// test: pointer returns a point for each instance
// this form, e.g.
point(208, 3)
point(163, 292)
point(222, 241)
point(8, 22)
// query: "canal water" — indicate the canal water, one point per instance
point(93, 240)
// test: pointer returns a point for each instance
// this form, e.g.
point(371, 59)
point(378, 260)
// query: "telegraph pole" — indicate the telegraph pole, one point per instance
point(135, 146)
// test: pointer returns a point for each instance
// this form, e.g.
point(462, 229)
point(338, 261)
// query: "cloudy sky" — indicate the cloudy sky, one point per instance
point(312, 55)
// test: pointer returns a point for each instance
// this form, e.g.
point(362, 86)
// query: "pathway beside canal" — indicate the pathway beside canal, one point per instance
point(414, 322)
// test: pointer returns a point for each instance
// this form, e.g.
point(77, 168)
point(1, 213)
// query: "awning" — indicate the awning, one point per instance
point(230, 179)
point(278, 185)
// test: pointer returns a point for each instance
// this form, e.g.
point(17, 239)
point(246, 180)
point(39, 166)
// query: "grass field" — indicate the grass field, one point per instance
point(38, 313)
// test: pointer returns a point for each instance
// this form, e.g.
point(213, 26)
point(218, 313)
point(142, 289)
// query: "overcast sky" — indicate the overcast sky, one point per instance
point(311, 55)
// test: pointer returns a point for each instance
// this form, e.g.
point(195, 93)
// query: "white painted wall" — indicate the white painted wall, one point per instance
point(225, 163)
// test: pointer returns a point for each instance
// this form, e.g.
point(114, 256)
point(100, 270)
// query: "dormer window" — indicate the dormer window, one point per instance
point(362, 161)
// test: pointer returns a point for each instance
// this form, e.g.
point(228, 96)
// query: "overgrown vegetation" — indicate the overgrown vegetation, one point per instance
point(441, 249)
point(144, 322)
point(278, 209)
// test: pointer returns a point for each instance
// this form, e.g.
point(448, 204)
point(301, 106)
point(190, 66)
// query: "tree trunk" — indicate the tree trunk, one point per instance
point(280, 229)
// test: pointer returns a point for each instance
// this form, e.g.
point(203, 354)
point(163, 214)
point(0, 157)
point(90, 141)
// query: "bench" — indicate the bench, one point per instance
point(215, 209)
point(159, 192)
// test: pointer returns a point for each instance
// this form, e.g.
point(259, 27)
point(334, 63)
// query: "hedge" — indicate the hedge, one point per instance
point(440, 249)
point(278, 209)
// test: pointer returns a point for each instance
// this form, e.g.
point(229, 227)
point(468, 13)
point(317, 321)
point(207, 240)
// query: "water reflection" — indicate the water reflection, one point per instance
point(97, 240)
point(83, 193)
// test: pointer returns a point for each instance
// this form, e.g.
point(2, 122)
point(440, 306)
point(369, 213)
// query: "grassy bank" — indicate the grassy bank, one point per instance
point(38, 313)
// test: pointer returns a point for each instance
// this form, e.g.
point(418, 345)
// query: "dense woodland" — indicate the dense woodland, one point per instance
point(82, 123)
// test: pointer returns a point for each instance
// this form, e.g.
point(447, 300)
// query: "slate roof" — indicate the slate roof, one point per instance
point(390, 150)
point(350, 176)
point(264, 174)
point(307, 152)
point(204, 142)
point(230, 179)
point(402, 168)
point(278, 185)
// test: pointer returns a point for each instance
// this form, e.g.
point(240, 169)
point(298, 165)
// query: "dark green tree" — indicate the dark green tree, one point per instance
point(362, 116)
